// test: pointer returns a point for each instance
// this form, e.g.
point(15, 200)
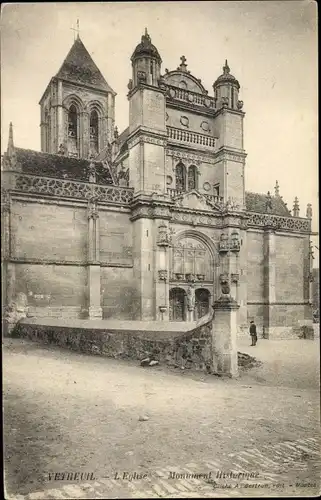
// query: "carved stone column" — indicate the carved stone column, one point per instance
point(224, 334)
point(94, 294)
point(84, 135)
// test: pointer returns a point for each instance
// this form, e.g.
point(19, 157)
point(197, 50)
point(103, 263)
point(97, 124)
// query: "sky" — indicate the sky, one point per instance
point(271, 48)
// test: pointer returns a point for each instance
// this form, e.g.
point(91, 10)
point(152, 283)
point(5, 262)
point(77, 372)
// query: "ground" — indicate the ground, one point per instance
point(68, 412)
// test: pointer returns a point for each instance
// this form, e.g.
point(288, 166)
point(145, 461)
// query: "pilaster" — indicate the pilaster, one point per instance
point(93, 279)
point(162, 269)
point(269, 278)
point(8, 268)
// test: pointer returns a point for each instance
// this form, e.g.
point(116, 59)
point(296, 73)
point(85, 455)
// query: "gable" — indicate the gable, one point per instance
point(184, 80)
point(193, 201)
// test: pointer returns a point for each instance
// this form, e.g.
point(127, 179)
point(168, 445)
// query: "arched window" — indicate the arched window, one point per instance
point(73, 132)
point(192, 178)
point(94, 132)
point(72, 122)
point(180, 177)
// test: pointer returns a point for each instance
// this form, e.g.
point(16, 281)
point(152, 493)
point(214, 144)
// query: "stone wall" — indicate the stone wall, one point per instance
point(189, 350)
point(46, 232)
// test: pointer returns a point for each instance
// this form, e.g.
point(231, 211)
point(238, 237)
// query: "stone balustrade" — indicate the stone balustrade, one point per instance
point(71, 189)
point(193, 138)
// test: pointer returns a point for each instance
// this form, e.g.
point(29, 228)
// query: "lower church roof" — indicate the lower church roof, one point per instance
point(61, 167)
point(256, 202)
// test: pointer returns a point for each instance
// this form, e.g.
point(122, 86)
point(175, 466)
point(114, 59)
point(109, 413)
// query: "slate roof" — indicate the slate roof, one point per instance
point(256, 202)
point(79, 67)
point(60, 167)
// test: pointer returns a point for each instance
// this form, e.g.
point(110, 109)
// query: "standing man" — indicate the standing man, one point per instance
point(253, 333)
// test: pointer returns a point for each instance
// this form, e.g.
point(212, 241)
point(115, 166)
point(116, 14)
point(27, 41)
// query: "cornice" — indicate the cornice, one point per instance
point(142, 135)
point(224, 110)
point(184, 153)
point(226, 153)
point(192, 108)
point(144, 86)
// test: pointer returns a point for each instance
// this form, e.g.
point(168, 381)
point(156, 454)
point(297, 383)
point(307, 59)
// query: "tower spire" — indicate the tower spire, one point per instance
point(10, 149)
point(76, 30)
point(226, 68)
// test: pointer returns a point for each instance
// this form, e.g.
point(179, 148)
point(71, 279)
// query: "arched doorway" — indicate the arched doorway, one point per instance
point(202, 302)
point(177, 304)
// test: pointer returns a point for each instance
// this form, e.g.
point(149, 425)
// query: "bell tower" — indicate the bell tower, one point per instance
point(77, 108)
point(147, 130)
point(230, 155)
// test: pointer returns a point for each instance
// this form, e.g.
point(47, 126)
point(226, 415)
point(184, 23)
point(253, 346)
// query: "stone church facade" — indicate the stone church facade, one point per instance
point(150, 223)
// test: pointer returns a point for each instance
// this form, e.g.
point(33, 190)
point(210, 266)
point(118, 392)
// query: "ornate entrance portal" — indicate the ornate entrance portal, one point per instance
point(177, 309)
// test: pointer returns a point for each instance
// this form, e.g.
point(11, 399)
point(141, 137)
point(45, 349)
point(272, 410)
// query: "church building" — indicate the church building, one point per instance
point(150, 223)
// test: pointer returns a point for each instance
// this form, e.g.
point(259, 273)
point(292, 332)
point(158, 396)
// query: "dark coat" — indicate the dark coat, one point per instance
point(253, 329)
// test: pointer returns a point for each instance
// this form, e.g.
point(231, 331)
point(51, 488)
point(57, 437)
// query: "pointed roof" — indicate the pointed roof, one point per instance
point(78, 67)
point(226, 76)
point(146, 48)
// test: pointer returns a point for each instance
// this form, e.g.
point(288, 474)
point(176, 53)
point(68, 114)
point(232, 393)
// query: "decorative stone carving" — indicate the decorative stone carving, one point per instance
point(309, 211)
point(92, 172)
point(205, 126)
point(184, 121)
point(235, 242)
point(196, 159)
point(162, 274)
point(92, 208)
point(144, 138)
point(235, 277)
point(296, 207)
point(225, 102)
point(141, 76)
point(240, 105)
point(193, 200)
point(169, 180)
point(279, 222)
point(223, 246)
point(206, 186)
point(190, 293)
point(190, 277)
point(269, 206)
point(62, 150)
point(225, 285)
point(73, 189)
point(163, 238)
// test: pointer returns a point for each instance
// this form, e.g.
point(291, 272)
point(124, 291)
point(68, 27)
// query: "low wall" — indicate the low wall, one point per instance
point(163, 341)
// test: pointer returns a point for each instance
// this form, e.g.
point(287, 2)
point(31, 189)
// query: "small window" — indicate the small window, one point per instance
point(180, 177)
point(93, 129)
point(72, 122)
point(216, 189)
point(192, 178)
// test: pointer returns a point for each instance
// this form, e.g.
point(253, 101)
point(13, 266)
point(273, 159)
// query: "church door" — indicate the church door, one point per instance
point(202, 302)
point(177, 304)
